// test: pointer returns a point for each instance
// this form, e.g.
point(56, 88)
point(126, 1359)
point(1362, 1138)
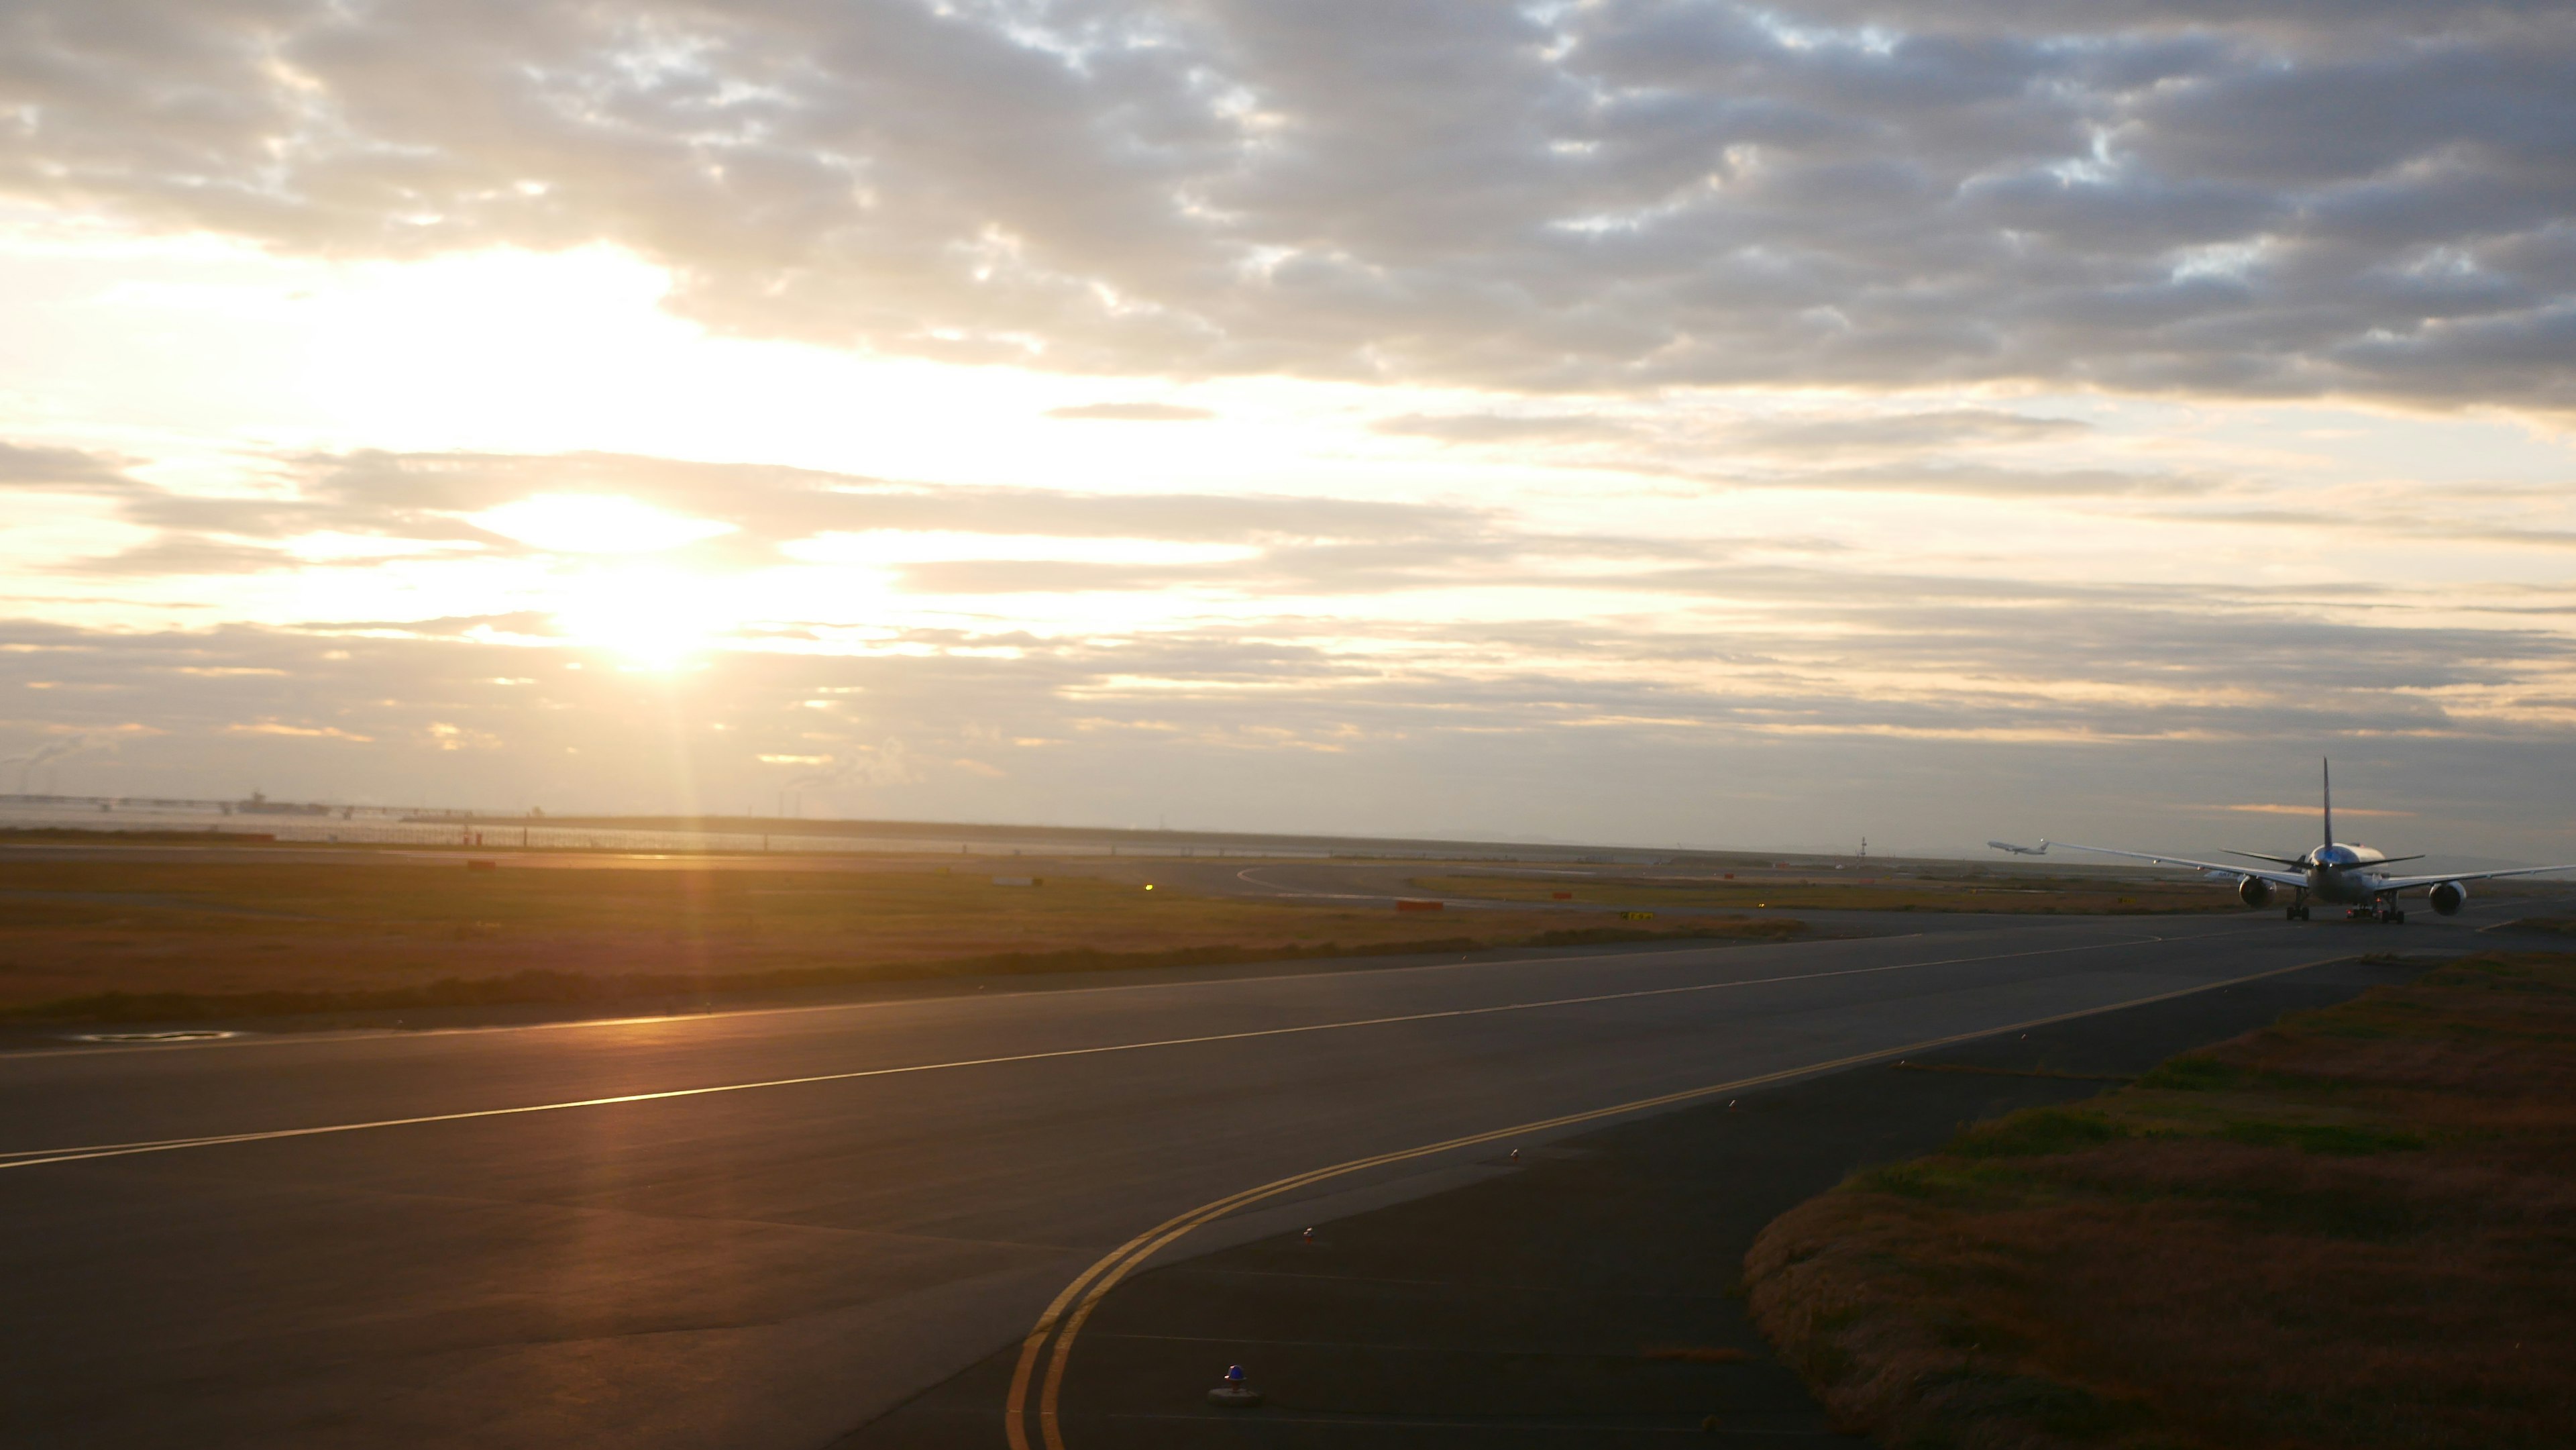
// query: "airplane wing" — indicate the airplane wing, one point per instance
point(2289, 861)
point(2406, 883)
point(2277, 878)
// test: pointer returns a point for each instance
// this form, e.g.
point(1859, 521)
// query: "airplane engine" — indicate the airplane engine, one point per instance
point(2254, 891)
point(2449, 897)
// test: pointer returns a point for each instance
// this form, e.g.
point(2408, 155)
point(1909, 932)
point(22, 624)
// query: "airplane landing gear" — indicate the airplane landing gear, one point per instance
point(2298, 912)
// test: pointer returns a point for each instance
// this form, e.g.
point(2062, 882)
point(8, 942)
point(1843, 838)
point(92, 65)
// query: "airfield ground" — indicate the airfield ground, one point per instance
point(676, 1229)
point(1812, 891)
point(127, 939)
point(2348, 1228)
point(148, 929)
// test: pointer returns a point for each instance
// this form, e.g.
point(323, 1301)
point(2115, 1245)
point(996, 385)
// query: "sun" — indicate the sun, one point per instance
point(655, 619)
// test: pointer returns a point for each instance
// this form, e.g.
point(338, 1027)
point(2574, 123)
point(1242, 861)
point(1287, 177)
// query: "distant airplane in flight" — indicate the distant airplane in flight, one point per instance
point(2039, 850)
point(2334, 872)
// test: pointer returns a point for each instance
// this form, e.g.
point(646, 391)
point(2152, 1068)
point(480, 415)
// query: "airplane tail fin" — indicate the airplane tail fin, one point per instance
point(2326, 767)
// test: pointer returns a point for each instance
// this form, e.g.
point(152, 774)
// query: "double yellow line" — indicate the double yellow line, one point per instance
point(1064, 1318)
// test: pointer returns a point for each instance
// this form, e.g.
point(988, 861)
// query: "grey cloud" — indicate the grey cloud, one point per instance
point(180, 554)
point(424, 500)
point(1875, 677)
point(1045, 576)
point(1948, 427)
point(1504, 427)
point(776, 504)
point(1965, 647)
point(1134, 412)
point(1917, 449)
point(1970, 480)
point(23, 466)
point(2283, 197)
point(2419, 524)
point(451, 626)
point(1344, 568)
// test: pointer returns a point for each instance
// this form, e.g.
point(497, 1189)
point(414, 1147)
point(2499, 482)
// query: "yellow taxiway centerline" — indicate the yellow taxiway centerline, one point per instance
point(1104, 1275)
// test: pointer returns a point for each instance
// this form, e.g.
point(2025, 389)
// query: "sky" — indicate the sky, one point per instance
point(1643, 423)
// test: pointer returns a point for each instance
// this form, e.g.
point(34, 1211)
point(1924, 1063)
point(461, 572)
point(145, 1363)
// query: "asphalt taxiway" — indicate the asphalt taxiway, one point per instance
point(768, 1228)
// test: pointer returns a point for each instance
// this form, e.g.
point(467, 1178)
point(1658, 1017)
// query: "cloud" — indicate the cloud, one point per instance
point(1971, 480)
point(2305, 810)
point(300, 732)
point(2278, 198)
point(1770, 648)
point(1504, 427)
point(1761, 694)
point(68, 469)
point(1134, 412)
point(428, 505)
point(1562, 647)
point(1921, 452)
point(1814, 434)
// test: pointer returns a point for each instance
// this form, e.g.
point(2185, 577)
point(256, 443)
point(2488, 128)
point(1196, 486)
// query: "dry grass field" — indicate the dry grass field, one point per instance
point(2356, 1228)
point(132, 940)
point(2020, 895)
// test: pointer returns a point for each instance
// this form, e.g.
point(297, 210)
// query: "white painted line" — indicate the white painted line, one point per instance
point(36, 1157)
point(1322, 969)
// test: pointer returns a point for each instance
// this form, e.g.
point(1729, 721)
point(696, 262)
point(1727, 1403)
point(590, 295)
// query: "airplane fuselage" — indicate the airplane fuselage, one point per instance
point(2340, 874)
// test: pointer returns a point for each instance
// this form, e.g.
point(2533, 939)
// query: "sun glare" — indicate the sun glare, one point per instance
point(594, 524)
point(653, 618)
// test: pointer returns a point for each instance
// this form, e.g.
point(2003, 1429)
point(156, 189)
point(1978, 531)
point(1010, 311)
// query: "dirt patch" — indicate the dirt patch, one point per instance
point(2348, 1229)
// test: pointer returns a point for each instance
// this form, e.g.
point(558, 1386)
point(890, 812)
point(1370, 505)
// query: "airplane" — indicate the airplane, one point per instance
point(2334, 872)
point(2039, 850)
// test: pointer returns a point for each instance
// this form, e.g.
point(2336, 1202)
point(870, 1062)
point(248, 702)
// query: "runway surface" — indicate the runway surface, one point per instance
point(779, 1224)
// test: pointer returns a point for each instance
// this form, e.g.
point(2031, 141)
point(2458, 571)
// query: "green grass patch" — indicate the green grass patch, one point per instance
point(2345, 1229)
point(1945, 1177)
point(2035, 1132)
